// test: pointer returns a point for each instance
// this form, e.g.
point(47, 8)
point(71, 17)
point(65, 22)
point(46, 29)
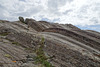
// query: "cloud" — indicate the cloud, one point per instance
point(67, 11)
point(22, 0)
point(77, 12)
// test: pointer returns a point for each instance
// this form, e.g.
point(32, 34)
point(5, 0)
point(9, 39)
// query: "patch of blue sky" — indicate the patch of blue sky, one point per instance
point(90, 27)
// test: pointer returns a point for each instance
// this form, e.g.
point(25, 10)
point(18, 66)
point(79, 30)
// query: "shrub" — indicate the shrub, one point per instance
point(41, 57)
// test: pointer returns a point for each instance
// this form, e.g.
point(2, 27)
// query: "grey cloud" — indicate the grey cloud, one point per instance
point(57, 3)
point(54, 20)
point(94, 19)
point(2, 6)
point(19, 9)
point(22, 0)
point(31, 11)
point(3, 12)
point(97, 7)
point(54, 4)
point(84, 9)
point(82, 17)
point(67, 11)
point(52, 10)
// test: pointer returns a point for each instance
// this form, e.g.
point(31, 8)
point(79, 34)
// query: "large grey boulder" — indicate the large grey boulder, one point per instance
point(21, 19)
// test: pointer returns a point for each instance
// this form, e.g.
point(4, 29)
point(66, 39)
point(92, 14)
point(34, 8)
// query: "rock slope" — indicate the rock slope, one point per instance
point(69, 45)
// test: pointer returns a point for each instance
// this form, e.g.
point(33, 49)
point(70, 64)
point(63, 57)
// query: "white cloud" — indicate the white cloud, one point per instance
point(77, 12)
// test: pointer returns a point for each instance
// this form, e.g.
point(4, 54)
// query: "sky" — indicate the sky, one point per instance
point(84, 14)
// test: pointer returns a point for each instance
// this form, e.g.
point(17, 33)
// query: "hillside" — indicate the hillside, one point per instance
point(64, 44)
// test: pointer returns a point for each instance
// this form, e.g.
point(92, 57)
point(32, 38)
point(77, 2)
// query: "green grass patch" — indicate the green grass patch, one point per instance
point(4, 34)
point(13, 42)
point(7, 55)
point(16, 43)
point(28, 48)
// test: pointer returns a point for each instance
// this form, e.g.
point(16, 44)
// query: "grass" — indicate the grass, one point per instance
point(28, 48)
point(7, 55)
point(41, 58)
point(13, 42)
point(16, 43)
point(4, 34)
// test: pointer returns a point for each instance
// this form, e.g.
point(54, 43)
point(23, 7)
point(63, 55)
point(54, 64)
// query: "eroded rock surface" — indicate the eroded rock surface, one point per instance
point(69, 45)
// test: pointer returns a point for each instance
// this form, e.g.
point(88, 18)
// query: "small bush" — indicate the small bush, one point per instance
point(41, 57)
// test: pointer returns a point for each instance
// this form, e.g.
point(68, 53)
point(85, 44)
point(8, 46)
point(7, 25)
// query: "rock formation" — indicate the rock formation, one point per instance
point(68, 45)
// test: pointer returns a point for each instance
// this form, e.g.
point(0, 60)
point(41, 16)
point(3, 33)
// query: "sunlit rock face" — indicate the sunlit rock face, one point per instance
point(69, 45)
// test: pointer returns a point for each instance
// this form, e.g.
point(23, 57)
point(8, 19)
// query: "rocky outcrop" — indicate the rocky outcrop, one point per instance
point(68, 45)
point(21, 19)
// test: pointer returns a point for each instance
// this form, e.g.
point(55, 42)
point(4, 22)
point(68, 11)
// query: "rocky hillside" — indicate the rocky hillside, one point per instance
point(34, 43)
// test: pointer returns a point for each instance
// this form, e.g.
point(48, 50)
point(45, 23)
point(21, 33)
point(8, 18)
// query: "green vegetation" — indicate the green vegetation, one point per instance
point(4, 34)
point(16, 43)
point(7, 55)
point(41, 58)
point(29, 49)
point(13, 42)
